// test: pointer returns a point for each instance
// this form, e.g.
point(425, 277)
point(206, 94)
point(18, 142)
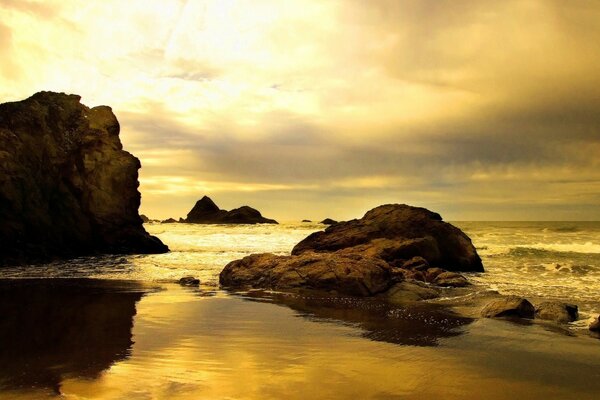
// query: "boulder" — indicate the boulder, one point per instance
point(417, 262)
point(406, 292)
point(189, 281)
point(351, 274)
point(557, 311)
point(205, 211)
point(329, 221)
point(407, 232)
point(595, 326)
point(67, 187)
point(510, 306)
point(450, 279)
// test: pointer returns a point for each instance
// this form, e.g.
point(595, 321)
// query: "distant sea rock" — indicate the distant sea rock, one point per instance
point(329, 221)
point(169, 221)
point(67, 187)
point(144, 218)
point(390, 244)
point(205, 211)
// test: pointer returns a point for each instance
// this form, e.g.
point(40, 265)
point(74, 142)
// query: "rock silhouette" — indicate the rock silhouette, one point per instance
point(67, 187)
point(205, 211)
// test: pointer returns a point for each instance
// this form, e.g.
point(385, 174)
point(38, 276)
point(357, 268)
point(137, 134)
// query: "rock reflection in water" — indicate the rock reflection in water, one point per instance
point(416, 324)
point(52, 329)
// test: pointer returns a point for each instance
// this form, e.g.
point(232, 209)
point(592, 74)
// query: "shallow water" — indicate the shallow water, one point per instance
point(130, 333)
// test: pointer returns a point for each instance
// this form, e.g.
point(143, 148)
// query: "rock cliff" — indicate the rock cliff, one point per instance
point(67, 187)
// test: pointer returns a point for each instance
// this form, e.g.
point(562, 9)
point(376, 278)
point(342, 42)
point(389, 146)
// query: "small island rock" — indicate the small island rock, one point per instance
point(329, 221)
point(205, 211)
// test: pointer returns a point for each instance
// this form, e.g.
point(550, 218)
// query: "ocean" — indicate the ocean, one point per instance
point(115, 327)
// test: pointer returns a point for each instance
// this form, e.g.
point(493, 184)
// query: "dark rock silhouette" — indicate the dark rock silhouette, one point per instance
point(408, 232)
point(329, 221)
point(205, 211)
point(189, 281)
point(52, 328)
point(169, 221)
point(364, 257)
point(306, 220)
point(67, 187)
point(595, 325)
point(144, 218)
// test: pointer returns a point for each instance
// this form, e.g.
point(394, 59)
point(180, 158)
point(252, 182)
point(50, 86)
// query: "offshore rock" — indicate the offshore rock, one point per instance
point(67, 187)
point(329, 221)
point(205, 211)
point(351, 274)
point(399, 232)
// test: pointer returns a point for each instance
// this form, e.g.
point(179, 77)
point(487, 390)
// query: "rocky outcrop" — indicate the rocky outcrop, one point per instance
point(67, 187)
point(557, 312)
point(364, 258)
point(509, 307)
point(351, 274)
point(399, 232)
point(205, 211)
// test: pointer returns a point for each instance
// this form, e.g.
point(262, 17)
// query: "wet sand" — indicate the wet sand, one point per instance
point(102, 339)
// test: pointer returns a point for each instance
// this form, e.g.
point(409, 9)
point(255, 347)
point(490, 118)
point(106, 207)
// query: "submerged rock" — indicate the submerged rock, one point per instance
point(510, 306)
point(406, 231)
point(205, 211)
point(557, 311)
point(67, 187)
point(189, 281)
point(348, 274)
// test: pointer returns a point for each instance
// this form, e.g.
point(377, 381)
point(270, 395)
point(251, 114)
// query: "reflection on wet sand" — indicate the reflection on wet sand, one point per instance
point(416, 324)
point(52, 329)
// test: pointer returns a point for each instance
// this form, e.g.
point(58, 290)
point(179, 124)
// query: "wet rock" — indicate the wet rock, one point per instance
point(351, 274)
point(557, 311)
point(67, 187)
point(406, 292)
point(595, 326)
point(189, 281)
point(417, 262)
point(205, 211)
point(329, 221)
point(510, 306)
point(406, 231)
point(450, 279)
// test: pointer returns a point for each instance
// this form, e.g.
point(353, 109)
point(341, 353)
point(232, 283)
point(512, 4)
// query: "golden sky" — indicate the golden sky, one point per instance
point(327, 108)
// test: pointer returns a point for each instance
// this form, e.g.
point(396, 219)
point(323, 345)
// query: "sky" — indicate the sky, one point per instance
point(479, 110)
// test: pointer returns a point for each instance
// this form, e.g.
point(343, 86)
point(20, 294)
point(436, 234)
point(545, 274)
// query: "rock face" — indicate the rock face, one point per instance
point(352, 274)
point(67, 187)
point(557, 312)
point(364, 258)
point(400, 232)
point(511, 306)
point(207, 212)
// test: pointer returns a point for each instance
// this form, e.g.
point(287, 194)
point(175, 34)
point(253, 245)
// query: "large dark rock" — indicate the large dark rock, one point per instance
point(205, 211)
point(67, 187)
point(351, 274)
point(406, 232)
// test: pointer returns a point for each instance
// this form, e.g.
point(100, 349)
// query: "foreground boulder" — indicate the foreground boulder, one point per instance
point(351, 274)
point(557, 312)
point(67, 187)
point(401, 232)
point(205, 211)
point(366, 257)
point(509, 307)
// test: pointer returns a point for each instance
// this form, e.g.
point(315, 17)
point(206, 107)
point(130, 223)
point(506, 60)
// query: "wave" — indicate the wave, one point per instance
point(583, 248)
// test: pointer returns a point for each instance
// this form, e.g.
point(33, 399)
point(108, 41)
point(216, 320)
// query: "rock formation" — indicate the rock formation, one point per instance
point(509, 307)
point(408, 232)
point(557, 312)
point(329, 221)
point(205, 211)
point(67, 187)
point(365, 257)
